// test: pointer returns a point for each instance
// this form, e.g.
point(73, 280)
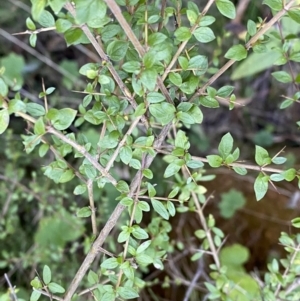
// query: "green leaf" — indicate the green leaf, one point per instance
point(155, 97)
point(175, 78)
point(226, 145)
point(236, 52)
point(56, 288)
point(214, 160)
point(240, 170)
point(277, 177)
point(171, 170)
point(296, 222)
point(160, 208)
point(225, 91)
point(251, 28)
point(290, 174)
point(127, 292)
point(39, 127)
point(194, 164)
point(84, 212)
point(3, 88)
point(139, 233)
point(110, 141)
point(35, 295)
point(183, 34)
point(110, 263)
point(46, 275)
point(30, 25)
point(171, 208)
point(279, 160)
point(143, 246)
point(131, 67)
point(46, 19)
point(163, 112)
point(136, 164)
point(33, 39)
point(147, 173)
point(57, 5)
point(116, 50)
point(209, 102)
point(294, 14)
point(61, 119)
point(282, 76)
point(204, 34)
point(43, 150)
point(156, 38)
point(144, 206)
point(80, 189)
point(260, 186)
point(66, 176)
point(192, 16)
point(90, 171)
point(151, 190)
point(148, 78)
point(274, 4)
point(126, 154)
point(261, 156)
point(127, 201)
point(37, 8)
point(199, 64)
point(62, 25)
point(226, 8)
point(35, 109)
point(286, 103)
point(183, 62)
point(89, 10)
point(4, 120)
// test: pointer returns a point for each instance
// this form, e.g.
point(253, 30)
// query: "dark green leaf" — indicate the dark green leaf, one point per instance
point(282, 76)
point(261, 156)
point(214, 160)
point(116, 50)
point(155, 97)
point(89, 10)
point(46, 19)
point(46, 275)
point(236, 52)
point(183, 34)
point(160, 208)
point(3, 88)
point(127, 292)
point(204, 34)
point(226, 8)
point(56, 288)
point(171, 170)
point(84, 212)
point(4, 120)
point(163, 112)
point(260, 186)
point(274, 4)
point(110, 263)
point(226, 145)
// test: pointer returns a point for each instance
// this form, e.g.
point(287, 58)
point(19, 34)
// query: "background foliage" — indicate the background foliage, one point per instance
point(87, 102)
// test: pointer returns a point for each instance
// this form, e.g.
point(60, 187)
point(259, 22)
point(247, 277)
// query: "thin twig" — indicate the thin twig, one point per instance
point(41, 57)
point(92, 206)
point(12, 289)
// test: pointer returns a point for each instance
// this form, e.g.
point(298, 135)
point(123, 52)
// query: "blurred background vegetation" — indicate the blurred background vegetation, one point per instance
point(38, 223)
